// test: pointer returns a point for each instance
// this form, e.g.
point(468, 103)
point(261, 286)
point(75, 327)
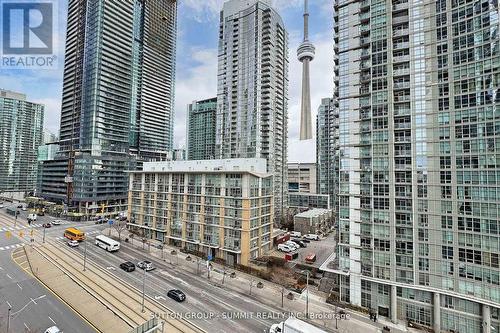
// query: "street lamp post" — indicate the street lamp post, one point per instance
point(282, 295)
point(143, 289)
point(44, 234)
point(8, 318)
point(307, 294)
point(224, 275)
point(85, 256)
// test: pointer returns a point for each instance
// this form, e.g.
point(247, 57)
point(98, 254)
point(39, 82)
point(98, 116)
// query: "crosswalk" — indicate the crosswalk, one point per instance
point(10, 247)
point(23, 227)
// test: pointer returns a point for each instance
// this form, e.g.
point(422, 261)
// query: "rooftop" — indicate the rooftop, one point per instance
point(315, 212)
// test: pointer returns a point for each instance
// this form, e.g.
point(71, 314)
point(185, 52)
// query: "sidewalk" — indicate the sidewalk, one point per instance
point(270, 294)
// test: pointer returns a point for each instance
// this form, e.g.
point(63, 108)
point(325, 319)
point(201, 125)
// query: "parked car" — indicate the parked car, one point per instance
point(73, 243)
point(147, 265)
point(176, 294)
point(53, 329)
point(295, 234)
point(57, 222)
point(293, 245)
point(47, 225)
point(20, 206)
point(127, 266)
point(284, 248)
point(311, 237)
point(299, 242)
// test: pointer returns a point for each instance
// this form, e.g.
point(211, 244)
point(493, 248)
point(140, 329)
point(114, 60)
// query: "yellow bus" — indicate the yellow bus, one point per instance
point(74, 234)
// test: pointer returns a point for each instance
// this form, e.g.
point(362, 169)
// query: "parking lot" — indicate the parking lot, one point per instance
point(322, 248)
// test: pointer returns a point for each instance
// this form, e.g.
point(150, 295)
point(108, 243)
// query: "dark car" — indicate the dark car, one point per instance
point(176, 294)
point(47, 225)
point(20, 206)
point(127, 266)
point(305, 240)
point(300, 242)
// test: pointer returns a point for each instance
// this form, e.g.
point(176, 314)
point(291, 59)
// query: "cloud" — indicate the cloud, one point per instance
point(200, 81)
point(197, 82)
point(208, 10)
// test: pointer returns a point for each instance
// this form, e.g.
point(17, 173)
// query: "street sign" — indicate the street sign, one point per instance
point(209, 258)
point(110, 222)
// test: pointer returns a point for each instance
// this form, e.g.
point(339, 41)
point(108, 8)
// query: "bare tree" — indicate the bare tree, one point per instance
point(119, 227)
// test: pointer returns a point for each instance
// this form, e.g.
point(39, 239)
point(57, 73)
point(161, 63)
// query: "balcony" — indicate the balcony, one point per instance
point(401, 45)
point(402, 71)
point(401, 98)
point(401, 85)
point(403, 58)
point(400, 32)
point(400, 6)
point(400, 19)
point(402, 111)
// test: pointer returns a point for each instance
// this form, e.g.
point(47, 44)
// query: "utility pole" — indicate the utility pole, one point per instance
point(143, 289)
point(85, 256)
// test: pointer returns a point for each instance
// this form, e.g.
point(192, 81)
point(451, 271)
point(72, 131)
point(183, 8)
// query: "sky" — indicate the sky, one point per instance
point(196, 68)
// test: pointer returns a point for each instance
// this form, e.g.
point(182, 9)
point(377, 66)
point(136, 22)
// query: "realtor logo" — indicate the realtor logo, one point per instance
point(28, 31)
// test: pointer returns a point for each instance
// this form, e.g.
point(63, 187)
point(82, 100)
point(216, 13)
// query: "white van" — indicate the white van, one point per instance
point(295, 234)
point(284, 248)
point(53, 329)
point(312, 237)
point(32, 217)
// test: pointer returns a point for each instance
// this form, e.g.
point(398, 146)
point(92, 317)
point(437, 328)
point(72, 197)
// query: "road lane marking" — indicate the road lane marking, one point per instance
point(52, 320)
point(19, 286)
point(10, 306)
point(26, 326)
point(10, 277)
point(34, 302)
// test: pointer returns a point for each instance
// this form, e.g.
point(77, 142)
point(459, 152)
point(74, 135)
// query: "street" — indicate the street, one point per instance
point(232, 307)
point(34, 308)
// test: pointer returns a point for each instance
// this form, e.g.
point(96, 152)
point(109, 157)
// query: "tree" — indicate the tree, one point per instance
point(119, 227)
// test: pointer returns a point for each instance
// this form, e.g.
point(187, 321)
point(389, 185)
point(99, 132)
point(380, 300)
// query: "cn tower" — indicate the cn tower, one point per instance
point(305, 54)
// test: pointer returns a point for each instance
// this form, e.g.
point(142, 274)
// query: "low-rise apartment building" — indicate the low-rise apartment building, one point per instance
point(223, 208)
point(314, 221)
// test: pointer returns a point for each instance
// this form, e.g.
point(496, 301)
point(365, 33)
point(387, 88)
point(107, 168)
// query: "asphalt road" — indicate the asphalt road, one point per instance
point(34, 308)
point(203, 299)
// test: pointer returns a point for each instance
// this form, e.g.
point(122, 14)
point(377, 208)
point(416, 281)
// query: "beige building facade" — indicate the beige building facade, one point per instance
point(223, 208)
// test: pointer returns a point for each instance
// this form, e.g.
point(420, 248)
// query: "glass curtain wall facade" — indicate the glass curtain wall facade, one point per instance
point(420, 161)
point(201, 129)
point(21, 132)
point(252, 92)
point(327, 150)
point(117, 100)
